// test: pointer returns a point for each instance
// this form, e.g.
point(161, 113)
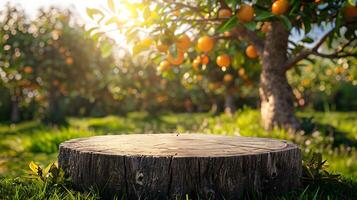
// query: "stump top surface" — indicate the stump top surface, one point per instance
point(182, 145)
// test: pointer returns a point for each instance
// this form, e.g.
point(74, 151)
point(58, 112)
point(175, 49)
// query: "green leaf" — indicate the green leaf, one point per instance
point(307, 40)
point(106, 49)
point(262, 15)
point(286, 22)
point(113, 20)
point(251, 25)
point(91, 12)
point(89, 31)
point(138, 48)
point(97, 35)
point(228, 25)
point(111, 5)
point(352, 2)
point(173, 50)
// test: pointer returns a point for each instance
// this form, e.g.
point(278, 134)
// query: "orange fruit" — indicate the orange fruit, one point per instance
point(177, 13)
point(146, 42)
point(224, 13)
point(198, 59)
point(204, 60)
point(28, 70)
point(196, 64)
point(164, 65)
point(280, 7)
point(176, 60)
point(199, 77)
point(205, 43)
point(266, 26)
point(228, 78)
point(339, 70)
point(251, 52)
point(329, 72)
point(55, 82)
point(350, 11)
point(241, 72)
point(227, 34)
point(183, 43)
point(223, 60)
point(69, 61)
point(245, 13)
point(162, 47)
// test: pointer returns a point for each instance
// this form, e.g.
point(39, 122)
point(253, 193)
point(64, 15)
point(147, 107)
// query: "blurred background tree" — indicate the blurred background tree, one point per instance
point(51, 67)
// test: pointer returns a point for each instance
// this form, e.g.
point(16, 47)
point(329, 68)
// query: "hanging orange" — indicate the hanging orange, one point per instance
point(245, 13)
point(266, 26)
point(164, 65)
point(205, 43)
point(223, 60)
point(162, 48)
point(251, 52)
point(224, 13)
point(204, 60)
point(228, 78)
point(176, 60)
point(350, 11)
point(196, 64)
point(28, 70)
point(183, 43)
point(280, 7)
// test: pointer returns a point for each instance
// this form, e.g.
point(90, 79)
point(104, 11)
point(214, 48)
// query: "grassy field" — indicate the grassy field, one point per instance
point(332, 134)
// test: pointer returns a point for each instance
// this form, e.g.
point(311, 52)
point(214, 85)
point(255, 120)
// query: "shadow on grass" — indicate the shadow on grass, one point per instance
point(309, 125)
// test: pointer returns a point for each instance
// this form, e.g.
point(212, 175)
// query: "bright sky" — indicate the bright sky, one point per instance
point(78, 6)
point(31, 7)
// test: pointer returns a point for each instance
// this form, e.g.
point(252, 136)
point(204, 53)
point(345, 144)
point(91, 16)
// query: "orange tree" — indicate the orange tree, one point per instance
point(17, 62)
point(139, 86)
point(69, 66)
point(263, 28)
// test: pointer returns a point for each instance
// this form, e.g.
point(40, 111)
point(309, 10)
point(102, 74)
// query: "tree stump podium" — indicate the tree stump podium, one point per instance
point(163, 166)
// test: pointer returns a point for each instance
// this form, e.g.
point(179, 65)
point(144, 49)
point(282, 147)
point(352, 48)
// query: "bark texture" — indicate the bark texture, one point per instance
point(15, 110)
point(277, 100)
point(164, 166)
point(229, 105)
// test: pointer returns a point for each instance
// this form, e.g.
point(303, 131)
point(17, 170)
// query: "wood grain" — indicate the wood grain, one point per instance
point(162, 166)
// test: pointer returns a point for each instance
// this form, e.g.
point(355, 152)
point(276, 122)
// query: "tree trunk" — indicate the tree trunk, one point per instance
point(277, 101)
point(229, 106)
point(215, 106)
point(171, 166)
point(55, 112)
point(15, 110)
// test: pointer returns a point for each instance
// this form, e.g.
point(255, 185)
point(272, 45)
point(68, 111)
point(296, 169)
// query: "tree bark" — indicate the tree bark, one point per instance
point(277, 100)
point(229, 106)
point(15, 110)
point(166, 166)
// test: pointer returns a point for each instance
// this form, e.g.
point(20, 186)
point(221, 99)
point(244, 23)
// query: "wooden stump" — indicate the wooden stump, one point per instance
point(162, 166)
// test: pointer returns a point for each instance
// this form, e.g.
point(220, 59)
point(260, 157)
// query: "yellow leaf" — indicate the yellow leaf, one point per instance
point(34, 167)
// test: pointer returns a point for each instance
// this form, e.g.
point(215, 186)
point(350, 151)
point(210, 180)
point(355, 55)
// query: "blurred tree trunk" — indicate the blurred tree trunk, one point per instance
point(216, 107)
point(229, 106)
point(15, 110)
point(277, 101)
point(55, 110)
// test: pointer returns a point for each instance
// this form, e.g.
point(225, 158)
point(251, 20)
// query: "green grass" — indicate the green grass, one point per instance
point(332, 134)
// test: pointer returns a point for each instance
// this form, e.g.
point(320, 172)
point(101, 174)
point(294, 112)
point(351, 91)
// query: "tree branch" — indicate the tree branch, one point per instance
point(305, 53)
point(335, 55)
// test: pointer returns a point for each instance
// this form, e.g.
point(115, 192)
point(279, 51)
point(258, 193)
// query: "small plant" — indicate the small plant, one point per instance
point(51, 175)
point(315, 171)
